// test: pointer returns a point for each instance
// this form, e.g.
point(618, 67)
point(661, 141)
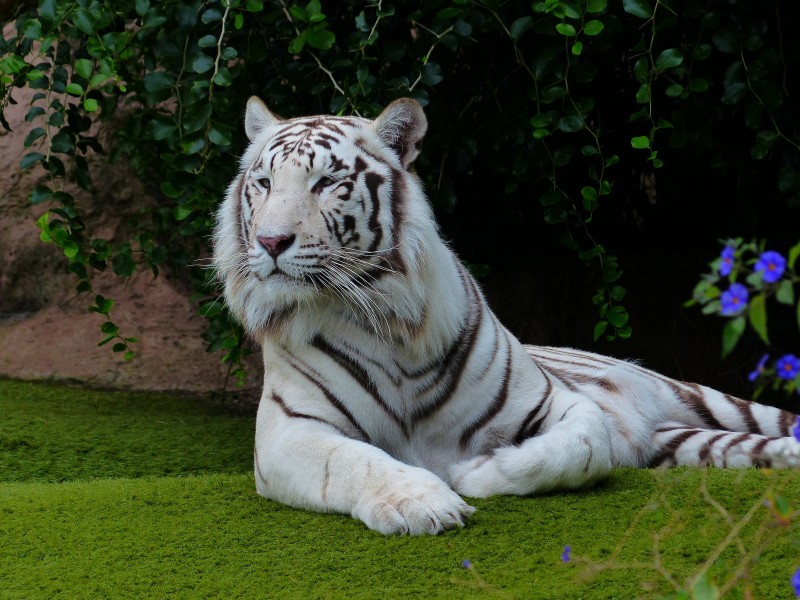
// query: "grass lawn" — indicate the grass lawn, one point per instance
point(106, 494)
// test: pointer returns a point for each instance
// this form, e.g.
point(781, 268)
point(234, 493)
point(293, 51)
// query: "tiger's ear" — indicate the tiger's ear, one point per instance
point(401, 126)
point(257, 117)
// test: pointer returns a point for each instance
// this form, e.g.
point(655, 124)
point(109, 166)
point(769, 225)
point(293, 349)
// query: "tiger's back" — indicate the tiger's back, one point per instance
point(389, 383)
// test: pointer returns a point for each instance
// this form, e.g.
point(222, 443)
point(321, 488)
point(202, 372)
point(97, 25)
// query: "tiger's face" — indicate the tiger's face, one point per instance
point(317, 207)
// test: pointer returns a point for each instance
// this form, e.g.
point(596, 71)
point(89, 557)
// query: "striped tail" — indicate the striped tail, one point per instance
point(721, 430)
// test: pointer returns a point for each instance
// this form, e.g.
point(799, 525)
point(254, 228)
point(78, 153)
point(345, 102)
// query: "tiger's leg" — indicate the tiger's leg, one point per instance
point(681, 445)
point(308, 463)
point(573, 451)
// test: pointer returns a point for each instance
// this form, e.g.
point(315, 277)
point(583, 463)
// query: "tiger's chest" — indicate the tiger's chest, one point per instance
point(426, 411)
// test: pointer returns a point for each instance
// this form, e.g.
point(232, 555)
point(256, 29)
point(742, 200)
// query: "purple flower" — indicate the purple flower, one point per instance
point(759, 368)
point(796, 434)
point(727, 261)
point(796, 583)
point(565, 554)
point(734, 300)
point(466, 564)
point(787, 367)
point(772, 264)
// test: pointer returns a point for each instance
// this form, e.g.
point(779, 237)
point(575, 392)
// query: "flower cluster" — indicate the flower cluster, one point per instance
point(784, 371)
point(770, 266)
point(796, 583)
point(745, 279)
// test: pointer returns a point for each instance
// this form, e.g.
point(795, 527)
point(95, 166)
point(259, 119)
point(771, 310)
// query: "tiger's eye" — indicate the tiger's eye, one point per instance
point(265, 183)
point(325, 182)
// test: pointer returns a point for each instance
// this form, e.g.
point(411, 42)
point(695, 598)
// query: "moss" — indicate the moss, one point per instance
point(151, 533)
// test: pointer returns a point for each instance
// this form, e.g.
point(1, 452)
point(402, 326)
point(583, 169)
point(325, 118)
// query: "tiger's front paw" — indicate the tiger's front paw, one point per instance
point(414, 502)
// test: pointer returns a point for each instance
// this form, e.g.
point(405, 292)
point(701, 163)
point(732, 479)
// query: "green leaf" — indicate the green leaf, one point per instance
point(593, 27)
point(432, 74)
point(84, 68)
point(566, 29)
point(764, 141)
point(109, 328)
point(12, 64)
point(734, 92)
point(596, 6)
point(218, 137)
point(570, 123)
point(784, 293)
point(617, 316)
point(70, 249)
point(600, 329)
point(698, 85)
point(321, 40)
point(794, 252)
point(640, 142)
point(157, 81)
point(577, 48)
point(669, 58)
point(47, 10)
point(75, 89)
point(757, 314)
point(638, 8)
point(33, 135)
point(31, 159)
point(726, 41)
point(643, 94)
point(142, 6)
point(90, 105)
point(202, 63)
point(223, 77)
point(674, 90)
point(181, 212)
point(519, 27)
point(84, 21)
point(207, 41)
point(39, 194)
point(731, 333)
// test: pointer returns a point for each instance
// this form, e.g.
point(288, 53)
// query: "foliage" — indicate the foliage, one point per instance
point(560, 108)
point(770, 279)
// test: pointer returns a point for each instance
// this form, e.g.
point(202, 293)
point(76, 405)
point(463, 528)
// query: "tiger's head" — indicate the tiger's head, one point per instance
point(324, 210)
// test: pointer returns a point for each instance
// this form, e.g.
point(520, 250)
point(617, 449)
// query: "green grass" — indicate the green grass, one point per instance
point(127, 495)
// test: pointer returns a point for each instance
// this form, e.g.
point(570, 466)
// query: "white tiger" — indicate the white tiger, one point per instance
point(390, 387)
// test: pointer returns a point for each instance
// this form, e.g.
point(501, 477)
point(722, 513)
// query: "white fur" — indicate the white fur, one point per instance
point(318, 410)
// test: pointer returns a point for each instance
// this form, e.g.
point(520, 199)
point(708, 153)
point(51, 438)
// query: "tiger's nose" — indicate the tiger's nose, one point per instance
point(275, 245)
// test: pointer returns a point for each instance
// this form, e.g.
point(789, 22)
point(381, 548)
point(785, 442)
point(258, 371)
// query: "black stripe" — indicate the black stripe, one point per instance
point(373, 181)
point(452, 365)
point(705, 451)
point(747, 413)
point(529, 427)
point(360, 374)
point(289, 412)
point(693, 398)
point(497, 404)
point(315, 377)
point(670, 449)
point(734, 442)
point(786, 421)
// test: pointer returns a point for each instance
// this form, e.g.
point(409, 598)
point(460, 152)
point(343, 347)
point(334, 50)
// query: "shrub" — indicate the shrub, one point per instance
point(562, 109)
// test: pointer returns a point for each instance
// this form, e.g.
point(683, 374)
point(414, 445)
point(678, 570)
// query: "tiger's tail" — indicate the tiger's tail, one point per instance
point(724, 431)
